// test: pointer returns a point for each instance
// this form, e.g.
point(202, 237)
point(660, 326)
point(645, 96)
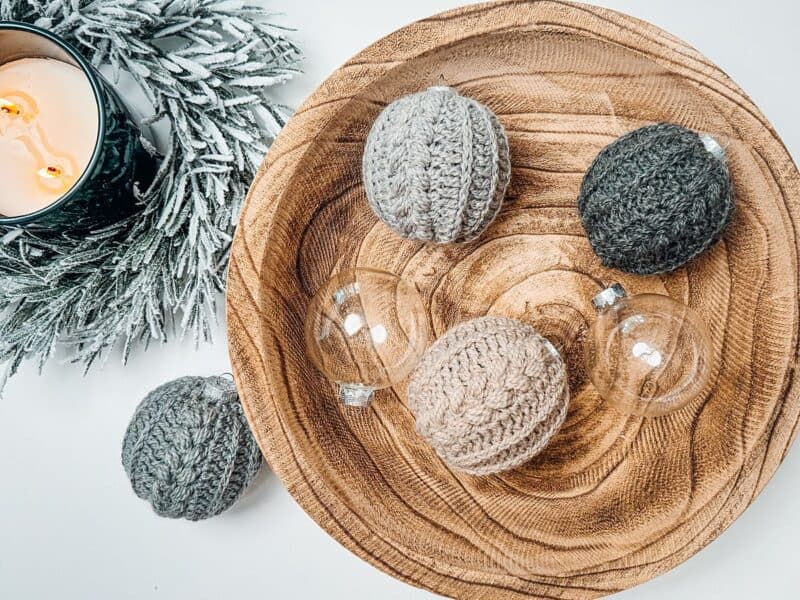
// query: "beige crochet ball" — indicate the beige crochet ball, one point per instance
point(489, 394)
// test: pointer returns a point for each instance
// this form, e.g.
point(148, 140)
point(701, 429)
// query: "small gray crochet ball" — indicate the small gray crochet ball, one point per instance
point(188, 449)
point(655, 199)
point(436, 166)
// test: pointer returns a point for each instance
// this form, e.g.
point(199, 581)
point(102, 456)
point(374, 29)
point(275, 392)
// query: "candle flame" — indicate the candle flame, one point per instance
point(10, 108)
point(50, 173)
point(54, 178)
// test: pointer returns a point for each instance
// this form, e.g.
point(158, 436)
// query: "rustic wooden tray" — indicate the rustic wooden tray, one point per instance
point(613, 501)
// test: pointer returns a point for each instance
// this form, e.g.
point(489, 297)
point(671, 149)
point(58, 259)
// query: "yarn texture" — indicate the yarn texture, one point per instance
point(489, 394)
point(188, 449)
point(655, 199)
point(436, 166)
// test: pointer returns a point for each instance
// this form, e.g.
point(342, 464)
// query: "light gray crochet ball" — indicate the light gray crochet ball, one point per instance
point(188, 449)
point(436, 166)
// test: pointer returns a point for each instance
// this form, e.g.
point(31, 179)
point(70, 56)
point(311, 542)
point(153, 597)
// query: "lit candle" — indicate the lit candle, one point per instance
point(70, 155)
point(48, 131)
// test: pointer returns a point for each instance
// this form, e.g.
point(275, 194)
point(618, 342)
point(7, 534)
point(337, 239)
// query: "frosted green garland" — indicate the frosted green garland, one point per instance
point(202, 64)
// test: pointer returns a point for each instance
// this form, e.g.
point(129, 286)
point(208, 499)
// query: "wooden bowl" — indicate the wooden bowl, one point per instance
point(613, 501)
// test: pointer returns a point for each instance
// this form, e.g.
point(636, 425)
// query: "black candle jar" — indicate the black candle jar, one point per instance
point(104, 192)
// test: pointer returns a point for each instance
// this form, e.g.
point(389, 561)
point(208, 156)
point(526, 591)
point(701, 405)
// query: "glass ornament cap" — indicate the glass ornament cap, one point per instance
point(647, 354)
point(365, 330)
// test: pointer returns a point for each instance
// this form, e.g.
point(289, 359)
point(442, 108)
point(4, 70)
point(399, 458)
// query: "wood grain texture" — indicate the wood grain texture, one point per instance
point(613, 501)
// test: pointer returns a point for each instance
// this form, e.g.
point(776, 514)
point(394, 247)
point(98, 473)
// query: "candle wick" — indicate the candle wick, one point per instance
point(51, 172)
point(56, 166)
point(10, 108)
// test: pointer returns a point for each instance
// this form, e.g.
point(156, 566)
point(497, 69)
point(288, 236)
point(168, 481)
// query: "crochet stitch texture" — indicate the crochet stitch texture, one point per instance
point(489, 394)
point(188, 449)
point(655, 199)
point(436, 166)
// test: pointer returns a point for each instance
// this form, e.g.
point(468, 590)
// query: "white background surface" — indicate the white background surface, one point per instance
point(70, 527)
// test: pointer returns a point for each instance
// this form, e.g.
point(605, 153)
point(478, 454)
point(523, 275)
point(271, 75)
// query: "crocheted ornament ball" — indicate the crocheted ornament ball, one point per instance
point(436, 166)
point(188, 449)
point(489, 394)
point(655, 199)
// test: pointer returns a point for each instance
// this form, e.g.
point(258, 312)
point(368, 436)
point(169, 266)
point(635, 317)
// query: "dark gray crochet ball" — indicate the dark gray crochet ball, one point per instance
point(188, 449)
point(655, 199)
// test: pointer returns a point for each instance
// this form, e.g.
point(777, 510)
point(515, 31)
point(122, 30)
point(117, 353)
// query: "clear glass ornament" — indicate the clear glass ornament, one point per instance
point(647, 354)
point(366, 330)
